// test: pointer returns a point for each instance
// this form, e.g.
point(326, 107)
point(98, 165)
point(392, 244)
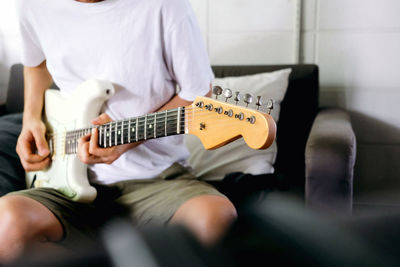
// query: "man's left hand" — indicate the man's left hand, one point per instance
point(89, 151)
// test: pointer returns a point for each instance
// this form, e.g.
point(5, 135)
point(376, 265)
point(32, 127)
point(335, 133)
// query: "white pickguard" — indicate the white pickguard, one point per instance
point(67, 173)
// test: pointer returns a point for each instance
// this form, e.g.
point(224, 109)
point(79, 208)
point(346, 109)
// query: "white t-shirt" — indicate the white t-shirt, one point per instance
point(144, 47)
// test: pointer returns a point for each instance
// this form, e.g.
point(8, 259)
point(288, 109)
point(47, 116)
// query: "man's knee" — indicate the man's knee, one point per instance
point(14, 222)
point(14, 229)
point(24, 219)
point(207, 216)
point(213, 211)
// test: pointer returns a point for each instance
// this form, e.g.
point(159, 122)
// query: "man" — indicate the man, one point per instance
point(145, 48)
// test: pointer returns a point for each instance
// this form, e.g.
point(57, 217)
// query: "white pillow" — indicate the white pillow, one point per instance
point(237, 156)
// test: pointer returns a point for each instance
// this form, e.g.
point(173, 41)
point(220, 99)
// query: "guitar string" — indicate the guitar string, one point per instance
point(159, 133)
point(149, 120)
point(141, 124)
point(171, 128)
point(151, 116)
point(186, 122)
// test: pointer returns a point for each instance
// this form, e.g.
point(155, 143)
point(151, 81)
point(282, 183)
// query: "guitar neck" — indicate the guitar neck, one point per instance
point(150, 126)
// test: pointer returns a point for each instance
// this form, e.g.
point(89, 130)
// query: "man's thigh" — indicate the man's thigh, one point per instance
point(80, 221)
point(155, 201)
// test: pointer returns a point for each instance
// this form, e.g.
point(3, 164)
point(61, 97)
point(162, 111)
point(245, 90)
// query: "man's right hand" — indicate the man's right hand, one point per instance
point(32, 146)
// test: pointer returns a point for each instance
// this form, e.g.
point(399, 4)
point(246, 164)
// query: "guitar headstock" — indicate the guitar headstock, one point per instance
point(217, 123)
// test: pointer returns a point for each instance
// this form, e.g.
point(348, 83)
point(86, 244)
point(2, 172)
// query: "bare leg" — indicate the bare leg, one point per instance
point(25, 222)
point(207, 216)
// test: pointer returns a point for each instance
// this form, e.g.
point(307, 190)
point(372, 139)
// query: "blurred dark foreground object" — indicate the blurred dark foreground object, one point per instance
point(277, 229)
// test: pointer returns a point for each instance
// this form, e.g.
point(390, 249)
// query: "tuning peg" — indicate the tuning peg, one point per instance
point(248, 99)
point(227, 94)
point(270, 105)
point(259, 102)
point(217, 91)
point(237, 97)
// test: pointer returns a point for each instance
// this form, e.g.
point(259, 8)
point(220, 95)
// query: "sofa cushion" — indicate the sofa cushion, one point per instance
point(237, 156)
point(11, 172)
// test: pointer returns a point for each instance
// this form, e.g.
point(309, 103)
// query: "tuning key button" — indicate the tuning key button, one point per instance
point(270, 106)
point(248, 99)
point(237, 97)
point(259, 102)
point(227, 94)
point(217, 91)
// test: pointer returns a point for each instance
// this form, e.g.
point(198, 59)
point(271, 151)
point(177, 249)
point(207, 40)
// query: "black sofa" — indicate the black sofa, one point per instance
point(316, 145)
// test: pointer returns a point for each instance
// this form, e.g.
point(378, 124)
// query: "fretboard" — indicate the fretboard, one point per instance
point(150, 126)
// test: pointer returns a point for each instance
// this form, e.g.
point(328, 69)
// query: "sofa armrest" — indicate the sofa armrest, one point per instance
point(330, 158)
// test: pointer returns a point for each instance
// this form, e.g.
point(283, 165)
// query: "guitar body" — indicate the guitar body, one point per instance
point(214, 122)
point(67, 173)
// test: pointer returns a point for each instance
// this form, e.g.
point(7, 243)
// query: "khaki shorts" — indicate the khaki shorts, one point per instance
point(147, 201)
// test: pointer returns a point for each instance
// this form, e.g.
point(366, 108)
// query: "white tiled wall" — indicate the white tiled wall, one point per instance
point(356, 44)
point(248, 31)
point(9, 44)
point(235, 31)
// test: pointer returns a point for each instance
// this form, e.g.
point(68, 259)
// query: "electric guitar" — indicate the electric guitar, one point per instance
point(214, 122)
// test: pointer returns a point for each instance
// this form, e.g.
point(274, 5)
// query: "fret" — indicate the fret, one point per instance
point(129, 131)
point(151, 125)
point(160, 124)
point(122, 130)
point(110, 135)
point(76, 142)
point(73, 142)
point(104, 135)
point(100, 135)
point(145, 127)
point(166, 122)
point(74, 146)
point(155, 125)
point(179, 121)
point(66, 143)
point(115, 133)
point(71, 145)
point(137, 129)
